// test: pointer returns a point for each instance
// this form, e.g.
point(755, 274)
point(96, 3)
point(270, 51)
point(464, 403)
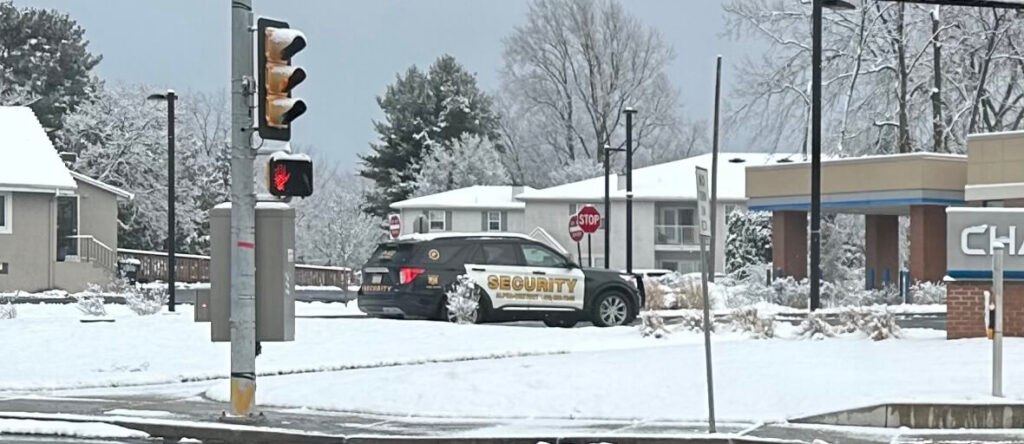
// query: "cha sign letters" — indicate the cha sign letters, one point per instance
point(971, 234)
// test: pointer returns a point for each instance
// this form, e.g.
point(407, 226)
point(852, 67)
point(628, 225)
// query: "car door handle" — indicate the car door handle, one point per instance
point(477, 269)
point(539, 272)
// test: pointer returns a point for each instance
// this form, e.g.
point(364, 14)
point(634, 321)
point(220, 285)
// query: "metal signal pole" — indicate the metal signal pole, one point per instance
point(629, 188)
point(243, 212)
point(714, 173)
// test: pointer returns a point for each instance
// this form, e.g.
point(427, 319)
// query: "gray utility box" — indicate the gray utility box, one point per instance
point(275, 272)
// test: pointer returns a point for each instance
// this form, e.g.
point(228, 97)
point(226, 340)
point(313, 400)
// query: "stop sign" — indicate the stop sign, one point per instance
point(575, 232)
point(395, 225)
point(589, 219)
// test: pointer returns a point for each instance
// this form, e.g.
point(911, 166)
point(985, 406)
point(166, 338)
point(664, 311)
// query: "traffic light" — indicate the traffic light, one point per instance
point(277, 43)
point(290, 175)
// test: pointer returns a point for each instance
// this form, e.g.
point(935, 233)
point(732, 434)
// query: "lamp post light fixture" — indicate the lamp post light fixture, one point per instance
point(169, 97)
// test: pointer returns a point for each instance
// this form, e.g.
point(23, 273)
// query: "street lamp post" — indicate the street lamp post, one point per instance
point(170, 97)
point(608, 201)
point(815, 293)
point(629, 111)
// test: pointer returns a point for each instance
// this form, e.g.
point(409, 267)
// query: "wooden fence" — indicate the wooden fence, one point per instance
point(196, 268)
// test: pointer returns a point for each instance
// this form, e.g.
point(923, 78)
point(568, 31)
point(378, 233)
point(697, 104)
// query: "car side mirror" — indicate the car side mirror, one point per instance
point(571, 264)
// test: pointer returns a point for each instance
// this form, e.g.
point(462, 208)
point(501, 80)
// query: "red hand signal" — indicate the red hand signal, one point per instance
point(281, 176)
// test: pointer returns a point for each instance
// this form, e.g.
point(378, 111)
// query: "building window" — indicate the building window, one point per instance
point(5, 213)
point(494, 221)
point(436, 219)
point(670, 265)
point(675, 226)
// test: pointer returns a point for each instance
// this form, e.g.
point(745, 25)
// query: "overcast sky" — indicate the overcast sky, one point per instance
point(356, 48)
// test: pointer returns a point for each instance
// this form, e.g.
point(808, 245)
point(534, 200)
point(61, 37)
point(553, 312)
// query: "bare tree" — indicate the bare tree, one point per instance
point(572, 69)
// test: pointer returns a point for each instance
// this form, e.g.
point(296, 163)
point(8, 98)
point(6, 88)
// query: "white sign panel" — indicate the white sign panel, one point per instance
point(703, 202)
point(971, 234)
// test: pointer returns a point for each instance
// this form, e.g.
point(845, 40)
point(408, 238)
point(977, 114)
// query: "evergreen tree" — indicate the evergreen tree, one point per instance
point(472, 160)
point(423, 112)
point(43, 52)
point(749, 239)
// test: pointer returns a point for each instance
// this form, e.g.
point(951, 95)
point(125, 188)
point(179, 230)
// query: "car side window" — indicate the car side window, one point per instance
point(537, 256)
point(497, 254)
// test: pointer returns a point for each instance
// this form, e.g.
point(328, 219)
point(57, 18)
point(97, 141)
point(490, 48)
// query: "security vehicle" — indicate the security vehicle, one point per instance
point(516, 278)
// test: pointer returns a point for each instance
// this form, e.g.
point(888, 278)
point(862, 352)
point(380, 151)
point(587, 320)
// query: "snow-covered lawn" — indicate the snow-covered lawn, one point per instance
point(754, 380)
point(46, 347)
point(66, 428)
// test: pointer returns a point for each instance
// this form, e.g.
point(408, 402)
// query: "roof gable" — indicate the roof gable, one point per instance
point(38, 166)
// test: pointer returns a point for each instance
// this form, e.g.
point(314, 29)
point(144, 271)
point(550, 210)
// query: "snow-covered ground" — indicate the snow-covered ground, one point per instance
point(754, 380)
point(519, 370)
point(66, 428)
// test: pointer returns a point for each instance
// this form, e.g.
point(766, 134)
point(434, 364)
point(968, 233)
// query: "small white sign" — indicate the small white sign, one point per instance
point(703, 202)
point(291, 255)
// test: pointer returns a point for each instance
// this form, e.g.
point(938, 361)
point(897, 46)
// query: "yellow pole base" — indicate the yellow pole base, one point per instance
point(990, 333)
point(243, 396)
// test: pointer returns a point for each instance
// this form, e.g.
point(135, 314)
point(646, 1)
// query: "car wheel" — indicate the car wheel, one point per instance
point(610, 309)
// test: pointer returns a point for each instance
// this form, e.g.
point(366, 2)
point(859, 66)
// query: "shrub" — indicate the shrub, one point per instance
point(462, 301)
point(92, 305)
point(692, 320)
point(880, 324)
point(684, 291)
point(145, 301)
point(790, 292)
point(851, 319)
point(8, 311)
point(815, 327)
point(655, 295)
point(652, 324)
point(928, 293)
point(750, 321)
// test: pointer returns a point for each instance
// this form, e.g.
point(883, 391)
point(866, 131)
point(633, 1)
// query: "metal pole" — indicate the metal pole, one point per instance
point(243, 211)
point(607, 205)
point(629, 189)
point(579, 253)
point(815, 301)
point(997, 342)
point(707, 336)
point(171, 260)
point(714, 170)
point(590, 252)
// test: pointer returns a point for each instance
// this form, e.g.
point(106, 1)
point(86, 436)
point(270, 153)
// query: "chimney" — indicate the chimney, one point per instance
point(621, 185)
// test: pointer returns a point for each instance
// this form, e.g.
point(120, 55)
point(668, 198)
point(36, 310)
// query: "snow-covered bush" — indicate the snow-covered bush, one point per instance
point(746, 286)
point(8, 311)
point(683, 291)
point(880, 325)
point(692, 320)
point(815, 327)
point(92, 305)
point(748, 241)
point(654, 294)
point(463, 301)
point(749, 320)
point(852, 318)
point(652, 324)
point(928, 293)
point(790, 292)
point(145, 301)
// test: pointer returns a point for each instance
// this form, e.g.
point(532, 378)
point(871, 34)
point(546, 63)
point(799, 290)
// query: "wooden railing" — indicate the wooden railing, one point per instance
point(92, 250)
point(152, 266)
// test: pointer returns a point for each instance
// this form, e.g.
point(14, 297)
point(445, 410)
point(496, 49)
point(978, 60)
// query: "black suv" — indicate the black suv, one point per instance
point(516, 277)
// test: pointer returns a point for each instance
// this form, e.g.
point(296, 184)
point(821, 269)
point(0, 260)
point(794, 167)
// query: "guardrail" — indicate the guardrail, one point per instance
point(92, 250)
point(196, 268)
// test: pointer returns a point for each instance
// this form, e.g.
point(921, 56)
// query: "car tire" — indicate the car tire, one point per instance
point(612, 308)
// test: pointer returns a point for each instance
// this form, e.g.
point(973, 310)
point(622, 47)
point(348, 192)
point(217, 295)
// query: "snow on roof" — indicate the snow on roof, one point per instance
point(452, 234)
point(29, 159)
point(479, 196)
point(103, 186)
point(674, 180)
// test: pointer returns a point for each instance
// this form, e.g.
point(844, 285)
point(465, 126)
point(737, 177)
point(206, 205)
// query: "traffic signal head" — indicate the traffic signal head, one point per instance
point(290, 175)
point(276, 44)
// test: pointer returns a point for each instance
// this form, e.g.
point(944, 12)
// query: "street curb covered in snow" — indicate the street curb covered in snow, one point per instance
point(232, 433)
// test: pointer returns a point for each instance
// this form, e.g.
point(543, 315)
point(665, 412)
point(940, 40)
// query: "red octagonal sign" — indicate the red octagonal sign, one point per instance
point(574, 229)
point(589, 219)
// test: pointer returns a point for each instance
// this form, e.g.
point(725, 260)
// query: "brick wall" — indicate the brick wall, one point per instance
point(965, 309)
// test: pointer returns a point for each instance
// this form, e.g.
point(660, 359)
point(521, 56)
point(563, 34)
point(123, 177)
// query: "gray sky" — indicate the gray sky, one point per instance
point(356, 48)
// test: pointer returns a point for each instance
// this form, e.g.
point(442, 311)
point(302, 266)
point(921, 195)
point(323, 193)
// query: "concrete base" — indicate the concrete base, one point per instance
point(926, 416)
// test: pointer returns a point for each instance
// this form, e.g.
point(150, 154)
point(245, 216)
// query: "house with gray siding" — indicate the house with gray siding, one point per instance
point(472, 209)
point(58, 228)
point(664, 212)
